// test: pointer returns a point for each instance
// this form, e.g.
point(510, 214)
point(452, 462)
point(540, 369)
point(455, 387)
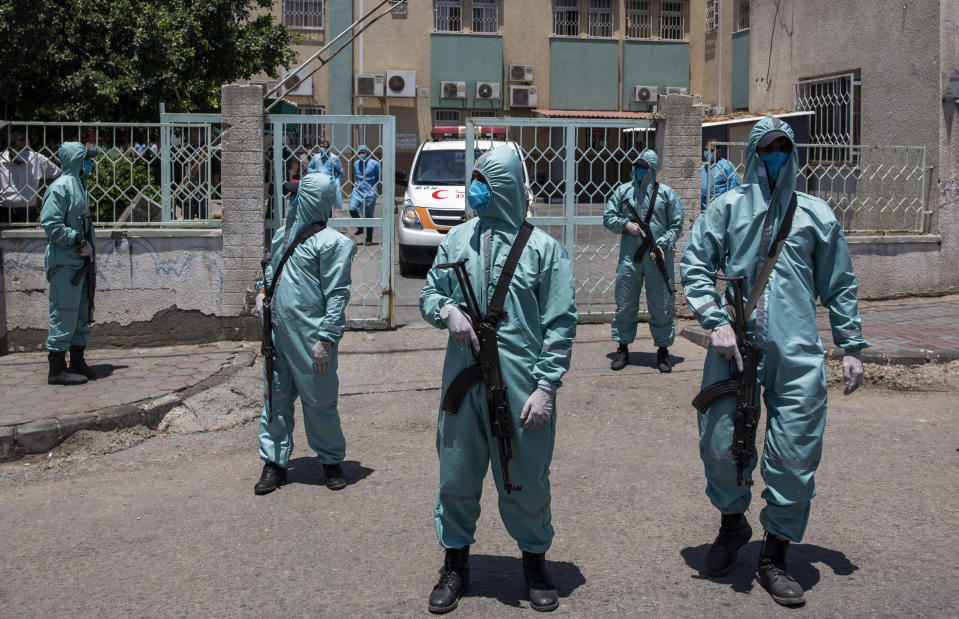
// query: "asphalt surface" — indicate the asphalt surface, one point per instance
point(168, 525)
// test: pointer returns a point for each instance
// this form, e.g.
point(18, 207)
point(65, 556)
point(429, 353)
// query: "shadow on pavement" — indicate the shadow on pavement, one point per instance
point(308, 470)
point(646, 359)
point(498, 577)
point(800, 560)
point(105, 370)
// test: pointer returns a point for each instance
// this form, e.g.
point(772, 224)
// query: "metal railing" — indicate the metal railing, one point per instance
point(566, 18)
point(293, 144)
point(834, 100)
point(742, 15)
point(672, 22)
point(600, 18)
point(573, 166)
point(147, 174)
point(484, 16)
point(879, 190)
point(448, 15)
point(639, 19)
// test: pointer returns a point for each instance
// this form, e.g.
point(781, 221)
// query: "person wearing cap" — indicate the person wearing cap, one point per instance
point(718, 173)
point(325, 161)
point(734, 235)
point(366, 179)
point(534, 335)
point(65, 218)
point(660, 206)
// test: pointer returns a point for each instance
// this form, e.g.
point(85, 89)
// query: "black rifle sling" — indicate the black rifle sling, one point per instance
point(494, 310)
point(304, 235)
point(652, 203)
point(771, 258)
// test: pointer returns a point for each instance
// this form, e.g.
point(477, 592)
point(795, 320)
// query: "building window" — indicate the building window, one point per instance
point(712, 15)
point(446, 118)
point(303, 14)
point(448, 15)
point(566, 18)
point(600, 18)
point(484, 16)
point(639, 22)
point(836, 102)
point(483, 114)
point(672, 25)
point(310, 134)
point(742, 15)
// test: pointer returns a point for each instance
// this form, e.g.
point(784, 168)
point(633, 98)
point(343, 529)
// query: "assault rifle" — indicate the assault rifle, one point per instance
point(266, 346)
point(649, 242)
point(487, 370)
point(89, 268)
point(742, 385)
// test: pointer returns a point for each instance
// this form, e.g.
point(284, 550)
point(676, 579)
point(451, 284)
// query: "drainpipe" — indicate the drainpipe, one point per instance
point(719, 64)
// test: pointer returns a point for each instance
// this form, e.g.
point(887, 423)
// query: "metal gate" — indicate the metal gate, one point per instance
point(292, 141)
point(871, 189)
point(573, 166)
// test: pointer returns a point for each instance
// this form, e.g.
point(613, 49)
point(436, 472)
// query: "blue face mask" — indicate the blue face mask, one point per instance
point(87, 168)
point(775, 162)
point(638, 174)
point(478, 196)
point(708, 156)
point(363, 156)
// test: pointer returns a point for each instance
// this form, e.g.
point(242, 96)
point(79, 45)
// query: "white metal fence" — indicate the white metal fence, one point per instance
point(574, 165)
point(876, 190)
point(293, 141)
point(835, 101)
point(147, 174)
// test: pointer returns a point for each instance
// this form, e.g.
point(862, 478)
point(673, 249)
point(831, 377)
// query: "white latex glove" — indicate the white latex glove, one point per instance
point(322, 352)
point(459, 326)
point(723, 341)
point(259, 304)
point(86, 250)
point(852, 371)
point(633, 228)
point(538, 409)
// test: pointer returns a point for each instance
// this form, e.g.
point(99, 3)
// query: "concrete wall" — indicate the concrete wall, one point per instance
point(154, 286)
point(716, 61)
point(469, 58)
point(900, 50)
point(583, 73)
point(653, 63)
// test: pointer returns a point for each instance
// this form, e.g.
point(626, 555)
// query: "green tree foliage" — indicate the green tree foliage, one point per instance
point(115, 60)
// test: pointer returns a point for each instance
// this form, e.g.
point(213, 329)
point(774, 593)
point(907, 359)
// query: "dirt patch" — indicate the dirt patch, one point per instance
point(90, 443)
point(927, 377)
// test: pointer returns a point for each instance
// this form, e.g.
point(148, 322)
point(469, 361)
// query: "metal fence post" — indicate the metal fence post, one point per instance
point(569, 207)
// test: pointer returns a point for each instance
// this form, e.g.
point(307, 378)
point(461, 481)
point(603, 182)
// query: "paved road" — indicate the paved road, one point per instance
point(170, 526)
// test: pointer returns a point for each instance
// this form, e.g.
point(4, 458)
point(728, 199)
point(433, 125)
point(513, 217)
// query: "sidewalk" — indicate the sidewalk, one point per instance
point(134, 387)
point(139, 386)
point(900, 332)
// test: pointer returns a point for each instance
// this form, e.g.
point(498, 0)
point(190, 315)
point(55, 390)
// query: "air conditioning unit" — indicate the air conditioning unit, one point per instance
point(401, 83)
point(521, 73)
point(675, 90)
point(452, 90)
point(368, 85)
point(645, 94)
point(522, 96)
point(295, 86)
point(487, 90)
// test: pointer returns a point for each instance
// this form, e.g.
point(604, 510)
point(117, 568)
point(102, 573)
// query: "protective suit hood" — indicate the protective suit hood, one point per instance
point(363, 147)
point(649, 179)
point(71, 156)
point(503, 171)
point(314, 201)
point(756, 170)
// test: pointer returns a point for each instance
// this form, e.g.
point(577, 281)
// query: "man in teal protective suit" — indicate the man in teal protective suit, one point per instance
point(366, 180)
point(65, 218)
point(731, 236)
point(308, 307)
point(666, 224)
point(535, 339)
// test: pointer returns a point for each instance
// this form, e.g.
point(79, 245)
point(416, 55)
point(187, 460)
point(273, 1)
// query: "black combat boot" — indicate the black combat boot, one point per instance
point(272, 478)
point(454, 581)
point(733, 533)
point(78, 365)
point(662, 360)
point(58, 374)
point(772, 572)
point(620, 358)
point(334, 476)
point(542, 593)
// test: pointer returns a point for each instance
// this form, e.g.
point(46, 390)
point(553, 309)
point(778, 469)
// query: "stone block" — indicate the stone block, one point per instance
point(37, 436)
point(69, 424)
point(123, 416)
point(7, 443)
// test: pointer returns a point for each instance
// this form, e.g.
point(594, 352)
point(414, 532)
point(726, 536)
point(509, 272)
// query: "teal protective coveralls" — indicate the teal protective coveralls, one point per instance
point(717, 179)
point(366, 180)
point(730, 236)
point(64, 205)
point(535, 343)
point(308, 304)
point(666, 224)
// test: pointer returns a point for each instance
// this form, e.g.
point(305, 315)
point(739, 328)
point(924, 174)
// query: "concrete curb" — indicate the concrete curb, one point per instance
point(903, 356)
point(45, 434)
